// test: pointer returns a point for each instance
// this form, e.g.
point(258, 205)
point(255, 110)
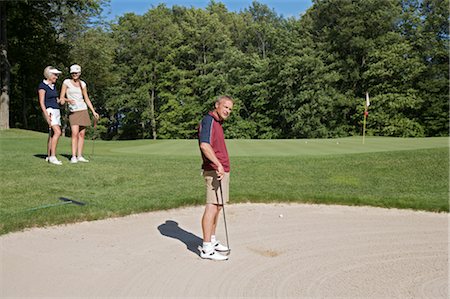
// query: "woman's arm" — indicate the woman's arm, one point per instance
point(41, 94)
point(88, 102)
point(62, 96)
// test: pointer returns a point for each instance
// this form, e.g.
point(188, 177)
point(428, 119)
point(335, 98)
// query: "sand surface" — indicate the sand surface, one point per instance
point(313, 251)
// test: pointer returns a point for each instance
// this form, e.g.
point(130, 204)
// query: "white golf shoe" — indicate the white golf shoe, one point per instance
point(221, 248)
point(73, 160)
point(54, 160)
point(82, 159)
point(212, 255)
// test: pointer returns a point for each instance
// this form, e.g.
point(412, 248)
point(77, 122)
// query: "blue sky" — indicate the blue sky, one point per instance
point(287, 8)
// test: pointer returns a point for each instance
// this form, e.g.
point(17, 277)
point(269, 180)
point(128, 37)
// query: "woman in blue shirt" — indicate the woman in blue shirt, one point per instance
point(49, 102)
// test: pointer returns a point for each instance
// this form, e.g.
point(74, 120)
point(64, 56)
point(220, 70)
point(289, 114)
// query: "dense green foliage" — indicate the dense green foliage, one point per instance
point(155, 75)
point(126, 177)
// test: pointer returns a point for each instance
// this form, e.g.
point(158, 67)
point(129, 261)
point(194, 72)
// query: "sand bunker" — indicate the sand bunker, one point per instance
point(312, 251)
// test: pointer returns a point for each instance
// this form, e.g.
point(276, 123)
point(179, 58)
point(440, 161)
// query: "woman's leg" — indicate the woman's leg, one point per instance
point(81, 135)
point(75, 132)
point(56, 134)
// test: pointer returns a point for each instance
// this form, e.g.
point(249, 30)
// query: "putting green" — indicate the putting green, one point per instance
point(289, 147)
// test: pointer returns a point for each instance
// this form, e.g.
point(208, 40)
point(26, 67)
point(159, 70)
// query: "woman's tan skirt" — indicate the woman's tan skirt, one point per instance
point(80, 118)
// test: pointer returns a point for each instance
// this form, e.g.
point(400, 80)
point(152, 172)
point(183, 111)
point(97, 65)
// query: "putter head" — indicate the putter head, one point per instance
point(72, 201)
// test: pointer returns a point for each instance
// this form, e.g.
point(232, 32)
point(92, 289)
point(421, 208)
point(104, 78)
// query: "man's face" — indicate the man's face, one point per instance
point(224, 108)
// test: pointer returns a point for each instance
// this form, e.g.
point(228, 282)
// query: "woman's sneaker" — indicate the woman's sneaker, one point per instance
point(81, 159)
point(212, 255)
point(221, 248)
point(73, 160)
point(53, 160)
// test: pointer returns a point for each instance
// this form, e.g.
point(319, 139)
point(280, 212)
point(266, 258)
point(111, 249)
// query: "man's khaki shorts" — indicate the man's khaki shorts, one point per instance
point(213, 185)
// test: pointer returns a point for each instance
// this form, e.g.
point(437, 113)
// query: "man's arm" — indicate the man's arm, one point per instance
point(208, 151)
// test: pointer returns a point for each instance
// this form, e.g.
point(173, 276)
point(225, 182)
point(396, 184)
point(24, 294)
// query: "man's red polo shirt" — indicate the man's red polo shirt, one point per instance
point(210, 131)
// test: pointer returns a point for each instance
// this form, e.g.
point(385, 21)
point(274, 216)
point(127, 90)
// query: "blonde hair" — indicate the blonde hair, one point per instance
point(47, 72)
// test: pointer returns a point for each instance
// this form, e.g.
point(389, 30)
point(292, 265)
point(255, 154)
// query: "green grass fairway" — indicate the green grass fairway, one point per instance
point(127, 177)
point(288, 147)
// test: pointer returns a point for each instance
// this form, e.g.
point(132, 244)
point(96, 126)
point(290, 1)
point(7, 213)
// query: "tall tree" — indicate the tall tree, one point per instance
point(262, 22)
point(310, 104)
point(146, 43)
point(391, 76)
point(5, 70)
point(202, 58)
point(432, 43)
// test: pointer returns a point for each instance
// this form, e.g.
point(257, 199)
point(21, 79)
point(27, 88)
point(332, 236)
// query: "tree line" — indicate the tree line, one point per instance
point(155, 75)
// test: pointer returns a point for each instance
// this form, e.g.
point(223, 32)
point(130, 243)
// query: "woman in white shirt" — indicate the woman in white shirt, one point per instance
point(74, 91)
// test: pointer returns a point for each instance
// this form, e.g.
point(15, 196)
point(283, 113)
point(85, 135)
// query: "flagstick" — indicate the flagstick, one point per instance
point(364, 126)
point(366, 106)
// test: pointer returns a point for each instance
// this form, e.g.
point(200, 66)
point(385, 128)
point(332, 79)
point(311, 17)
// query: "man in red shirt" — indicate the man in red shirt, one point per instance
point(216, 171)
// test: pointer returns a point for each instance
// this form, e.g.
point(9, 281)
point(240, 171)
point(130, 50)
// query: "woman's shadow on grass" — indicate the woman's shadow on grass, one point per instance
point(171, 229)
point(43, 156)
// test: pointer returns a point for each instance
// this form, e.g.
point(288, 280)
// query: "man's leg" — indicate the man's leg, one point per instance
point(209, 221)
point(216, 219)
point(209, 218)
point(216, 243)
point(221, 189)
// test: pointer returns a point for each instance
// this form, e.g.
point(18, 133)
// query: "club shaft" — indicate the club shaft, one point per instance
point(93, 138)
point(224, 217)
point(50, 205)
point(49, 142)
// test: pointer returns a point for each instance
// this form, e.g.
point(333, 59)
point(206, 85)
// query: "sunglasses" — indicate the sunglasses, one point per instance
point(73, 74)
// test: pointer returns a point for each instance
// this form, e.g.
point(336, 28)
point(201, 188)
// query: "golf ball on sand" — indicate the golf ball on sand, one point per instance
point(281, 216)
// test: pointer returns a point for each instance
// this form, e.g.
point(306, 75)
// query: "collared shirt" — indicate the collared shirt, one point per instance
point(210, 131)
point(51, 94)
point(51, 85)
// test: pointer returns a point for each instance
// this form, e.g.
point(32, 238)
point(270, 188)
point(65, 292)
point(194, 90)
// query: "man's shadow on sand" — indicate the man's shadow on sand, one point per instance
point(171, 229)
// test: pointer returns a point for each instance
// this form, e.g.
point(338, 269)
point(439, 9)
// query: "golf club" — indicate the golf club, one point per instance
point(49, 141)
point(93, 138)
point(64, 200)
point(224, 218)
